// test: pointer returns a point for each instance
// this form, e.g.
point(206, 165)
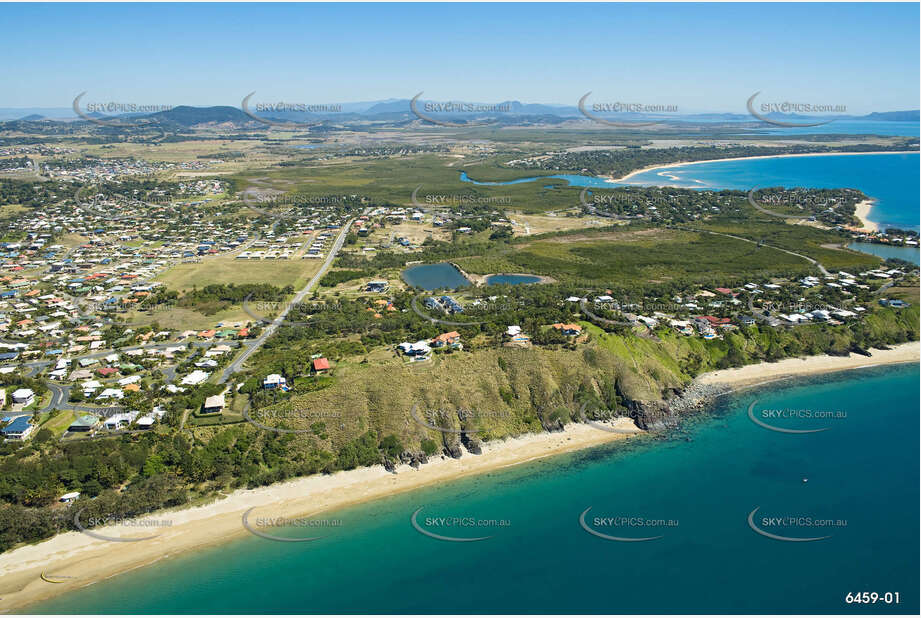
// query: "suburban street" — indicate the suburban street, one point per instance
point(254, 345)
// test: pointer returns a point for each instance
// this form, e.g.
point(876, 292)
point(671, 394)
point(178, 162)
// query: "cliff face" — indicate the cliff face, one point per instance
point(463, 399)
point(650, 415)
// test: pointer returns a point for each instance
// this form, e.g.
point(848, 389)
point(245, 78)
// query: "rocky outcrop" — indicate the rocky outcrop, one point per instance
point(413, 459)
point(471, 443)
point(451, 445)
point(658, 415)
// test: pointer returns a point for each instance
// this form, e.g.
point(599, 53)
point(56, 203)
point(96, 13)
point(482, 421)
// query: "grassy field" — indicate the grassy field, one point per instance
point(180, 318)
point(225, 269)
point(59, 423)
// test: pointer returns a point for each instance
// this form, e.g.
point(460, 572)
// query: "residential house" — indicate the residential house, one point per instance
point(570, 330)
point(19, 428)
point(214, 404)
point(23, 397)
point(273, 381)
point(195, 378)
point(418, 351)
point(451, 340)
point(86, 422)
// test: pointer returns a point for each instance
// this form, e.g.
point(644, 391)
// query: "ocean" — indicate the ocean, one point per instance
point(692, 491)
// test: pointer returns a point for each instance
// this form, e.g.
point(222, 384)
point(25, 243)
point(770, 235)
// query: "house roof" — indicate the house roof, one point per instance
point(320, 363)
point(215, 401)
point(561, 326)
point(87, 420)
point(19, 425)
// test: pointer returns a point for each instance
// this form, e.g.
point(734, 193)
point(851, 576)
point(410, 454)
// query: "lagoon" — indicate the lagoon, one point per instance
point(892, 179)
point(435, 277)
point(885, 251)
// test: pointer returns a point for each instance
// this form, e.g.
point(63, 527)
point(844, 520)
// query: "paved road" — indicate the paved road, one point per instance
point(254, 345)
point(59, 396)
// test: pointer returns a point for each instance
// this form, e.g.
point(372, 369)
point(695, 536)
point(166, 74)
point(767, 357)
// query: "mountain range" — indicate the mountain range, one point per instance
point(396, 110)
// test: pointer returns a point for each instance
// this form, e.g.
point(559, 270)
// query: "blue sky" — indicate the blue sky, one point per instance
point(696, 56)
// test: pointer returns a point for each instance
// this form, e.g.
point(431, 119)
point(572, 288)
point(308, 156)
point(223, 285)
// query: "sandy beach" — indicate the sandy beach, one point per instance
point(762, 373)
point(779, 156)
point(76, 560)
point(862, 211)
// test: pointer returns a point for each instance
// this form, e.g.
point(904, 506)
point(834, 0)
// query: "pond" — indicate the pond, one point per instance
point(435, 276)
point(908, 254)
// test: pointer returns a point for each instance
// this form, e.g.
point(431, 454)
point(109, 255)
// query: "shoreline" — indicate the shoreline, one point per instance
point(90, 560)
point(750, 376)
point(862, 212)
point(777, 156)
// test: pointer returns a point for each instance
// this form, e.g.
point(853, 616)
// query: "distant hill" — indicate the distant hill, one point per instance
point(912, 115)
point(389, 107)
point(187, 116)
point(396, 112)
point(513, 108)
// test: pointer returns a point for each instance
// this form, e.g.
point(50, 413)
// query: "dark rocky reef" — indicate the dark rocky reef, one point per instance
point(658, 415)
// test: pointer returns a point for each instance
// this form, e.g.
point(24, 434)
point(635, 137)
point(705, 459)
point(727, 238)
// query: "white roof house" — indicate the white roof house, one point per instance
point(215, 401)
point(273, 379)
point(23, 395)
point(111, 393)
point(195, 378)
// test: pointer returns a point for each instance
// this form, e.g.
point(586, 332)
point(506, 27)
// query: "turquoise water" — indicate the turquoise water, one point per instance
point(511, 279)
point(707, 478)
point(435, 276)
point(891, 179)
point(884, 251)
